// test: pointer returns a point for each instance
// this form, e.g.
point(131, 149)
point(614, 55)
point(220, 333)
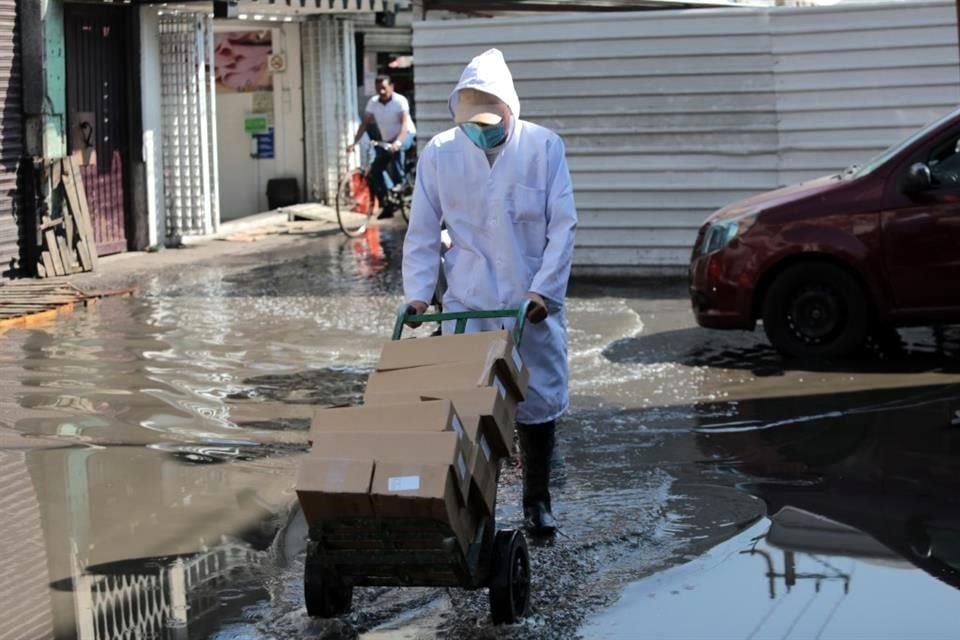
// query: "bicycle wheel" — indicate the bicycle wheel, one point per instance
point(406, 199)
point(354, 203)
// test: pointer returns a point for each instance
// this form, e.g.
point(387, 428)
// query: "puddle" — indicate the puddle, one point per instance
point(777, 581)
point(147, 484)
point(861, 539)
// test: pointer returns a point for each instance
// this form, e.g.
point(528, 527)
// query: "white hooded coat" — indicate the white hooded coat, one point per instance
point(512, 225)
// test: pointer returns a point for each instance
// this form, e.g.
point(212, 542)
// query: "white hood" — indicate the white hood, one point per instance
point(489, 73)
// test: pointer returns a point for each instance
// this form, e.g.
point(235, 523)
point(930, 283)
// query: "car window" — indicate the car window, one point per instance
point(945, 545)
point(944, 163)
point(893, 151)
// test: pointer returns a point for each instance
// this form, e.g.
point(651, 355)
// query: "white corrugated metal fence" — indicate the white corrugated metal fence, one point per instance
point(670, 115)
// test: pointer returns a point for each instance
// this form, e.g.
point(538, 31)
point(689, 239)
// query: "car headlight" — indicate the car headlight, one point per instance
point(719, 234)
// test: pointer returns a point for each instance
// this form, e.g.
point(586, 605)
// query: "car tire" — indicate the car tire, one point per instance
point(816, 310)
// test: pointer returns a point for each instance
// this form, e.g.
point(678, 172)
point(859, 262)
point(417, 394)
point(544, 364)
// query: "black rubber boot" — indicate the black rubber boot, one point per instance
point(537, 442)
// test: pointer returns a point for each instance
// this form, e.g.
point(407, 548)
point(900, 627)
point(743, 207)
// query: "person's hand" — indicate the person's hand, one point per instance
point(415, 308)
point(394, 147)
point(351, 147)
point(537, 310)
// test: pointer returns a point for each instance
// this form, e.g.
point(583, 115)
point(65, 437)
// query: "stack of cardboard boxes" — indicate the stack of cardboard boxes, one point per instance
point(437, 419)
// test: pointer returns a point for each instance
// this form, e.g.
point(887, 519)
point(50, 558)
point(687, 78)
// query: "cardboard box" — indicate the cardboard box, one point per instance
point(498, 413)
point(427, 491)
point(484, 464)
point(447, 448)
point(409, 414)
point(460, 375)
point(338, 488)
point(494, 347)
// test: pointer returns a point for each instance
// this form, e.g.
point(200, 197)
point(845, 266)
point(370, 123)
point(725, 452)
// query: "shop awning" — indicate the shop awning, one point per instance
point(319, 6)
point(499, 7)
point(281, 7)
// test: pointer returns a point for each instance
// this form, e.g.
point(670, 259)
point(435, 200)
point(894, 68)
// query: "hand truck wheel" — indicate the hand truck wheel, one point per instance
point(323, 597)
point(510, 586)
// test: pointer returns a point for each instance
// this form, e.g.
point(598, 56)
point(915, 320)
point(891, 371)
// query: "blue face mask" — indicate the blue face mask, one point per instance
point(485, 136)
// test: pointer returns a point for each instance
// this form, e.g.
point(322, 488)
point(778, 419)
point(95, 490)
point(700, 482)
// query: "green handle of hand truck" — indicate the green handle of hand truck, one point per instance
point(462, 317)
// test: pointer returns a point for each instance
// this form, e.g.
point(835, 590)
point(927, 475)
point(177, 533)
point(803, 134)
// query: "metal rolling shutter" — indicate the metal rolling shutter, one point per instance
point(11, 137)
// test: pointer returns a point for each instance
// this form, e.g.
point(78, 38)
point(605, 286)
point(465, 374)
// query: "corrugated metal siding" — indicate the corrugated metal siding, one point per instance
point(853, 81)
point(668, 116)
point(11, 138)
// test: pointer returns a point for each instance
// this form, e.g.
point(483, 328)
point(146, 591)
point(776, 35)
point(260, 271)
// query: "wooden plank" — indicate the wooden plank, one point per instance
point(50, 224)
point(70, 228)
point(52, 289)
point(32, 302)
point(54, 250)
point(56, 174)
point(41, 270)
point(38, 293)
point(37, 300)
point(84, 252)
point(71, 175)
point(47, 260)
point(83, 215)
point(66, 255)
point(25, 305)
point(52, 285)
point(20, 293)
point(70, 191)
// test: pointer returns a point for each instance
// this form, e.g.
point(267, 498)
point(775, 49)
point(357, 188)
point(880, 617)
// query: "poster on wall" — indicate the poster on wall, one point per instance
point(242, 61)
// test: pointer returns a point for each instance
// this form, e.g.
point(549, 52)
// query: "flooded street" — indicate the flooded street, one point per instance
point(705, 487)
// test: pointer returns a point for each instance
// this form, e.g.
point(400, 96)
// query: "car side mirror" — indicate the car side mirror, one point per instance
point(918, 178)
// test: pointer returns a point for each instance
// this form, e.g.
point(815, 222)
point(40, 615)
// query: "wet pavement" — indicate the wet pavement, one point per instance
point(706, 487)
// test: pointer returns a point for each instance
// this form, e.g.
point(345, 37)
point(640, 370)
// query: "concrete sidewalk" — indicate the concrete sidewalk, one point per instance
point(306, 212)
point(262, 233)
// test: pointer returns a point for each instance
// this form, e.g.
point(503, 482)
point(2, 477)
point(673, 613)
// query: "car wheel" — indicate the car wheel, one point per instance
point(816, 310)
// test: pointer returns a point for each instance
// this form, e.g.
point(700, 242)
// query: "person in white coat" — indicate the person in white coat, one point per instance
point(502, 188)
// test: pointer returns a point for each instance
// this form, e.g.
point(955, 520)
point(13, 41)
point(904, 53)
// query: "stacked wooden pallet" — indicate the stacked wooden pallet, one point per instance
point(25, 301)
point(68, 241)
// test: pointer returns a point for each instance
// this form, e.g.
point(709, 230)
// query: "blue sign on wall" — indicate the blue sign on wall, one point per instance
point(264, 145)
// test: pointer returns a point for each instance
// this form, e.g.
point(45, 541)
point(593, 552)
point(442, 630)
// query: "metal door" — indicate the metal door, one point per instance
point(11, 137)
point(97, 115)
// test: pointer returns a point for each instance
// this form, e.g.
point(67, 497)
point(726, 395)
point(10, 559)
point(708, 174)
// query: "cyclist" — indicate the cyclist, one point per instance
point(390, 112)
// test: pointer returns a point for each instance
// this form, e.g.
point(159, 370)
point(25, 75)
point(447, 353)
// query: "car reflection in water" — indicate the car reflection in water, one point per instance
point(879, 480)
point(862, 536)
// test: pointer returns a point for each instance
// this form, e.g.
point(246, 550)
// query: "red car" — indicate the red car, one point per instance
point(824, 263)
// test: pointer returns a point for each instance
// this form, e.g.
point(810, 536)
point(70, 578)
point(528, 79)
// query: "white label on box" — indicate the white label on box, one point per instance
point(458, 427)
point(404, 483)
point(500, 388)
point(461, 467)
point(517, 362)
point(485, 448)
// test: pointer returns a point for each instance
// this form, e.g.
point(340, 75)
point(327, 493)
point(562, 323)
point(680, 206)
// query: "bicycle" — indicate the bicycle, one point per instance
point(356, 203)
